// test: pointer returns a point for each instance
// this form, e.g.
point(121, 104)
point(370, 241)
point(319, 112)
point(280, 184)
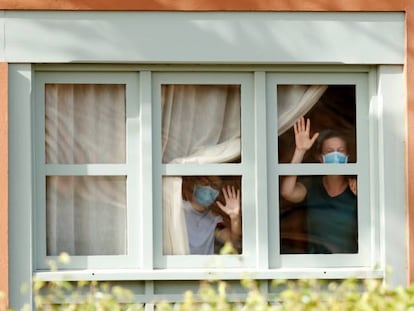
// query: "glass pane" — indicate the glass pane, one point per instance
point(85, 123)
point(200, 123)
point(201, 214)
point(86, 215)
point(319, 216)
point(331, 110)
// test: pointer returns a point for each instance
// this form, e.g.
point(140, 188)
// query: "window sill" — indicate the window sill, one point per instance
point(200, 274)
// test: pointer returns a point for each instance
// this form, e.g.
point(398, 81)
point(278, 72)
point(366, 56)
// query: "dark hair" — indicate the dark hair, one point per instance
point(326, 134)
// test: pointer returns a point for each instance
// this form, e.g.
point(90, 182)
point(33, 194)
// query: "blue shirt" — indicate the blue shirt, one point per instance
point(200, 229)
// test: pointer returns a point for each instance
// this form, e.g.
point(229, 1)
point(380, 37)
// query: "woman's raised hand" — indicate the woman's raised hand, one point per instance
point(302, 134)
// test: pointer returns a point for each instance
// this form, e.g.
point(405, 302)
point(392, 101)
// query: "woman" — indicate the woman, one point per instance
point(331, 202)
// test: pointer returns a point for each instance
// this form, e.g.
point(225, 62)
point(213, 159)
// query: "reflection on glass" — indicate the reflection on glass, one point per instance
point(85, 123)
point(328, 107)
point(200, 123)
point(320, 217)
point(201, 214)
point(86, 215)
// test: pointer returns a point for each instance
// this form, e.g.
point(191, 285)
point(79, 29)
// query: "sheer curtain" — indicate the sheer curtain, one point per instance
point(294, 101)
point(85, 124)
point(201, 124)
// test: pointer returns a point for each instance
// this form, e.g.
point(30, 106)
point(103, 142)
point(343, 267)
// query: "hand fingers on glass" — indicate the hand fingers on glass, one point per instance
point(230, 192)
point(301, 125)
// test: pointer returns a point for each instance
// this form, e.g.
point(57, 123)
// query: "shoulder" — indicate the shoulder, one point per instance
point(186, 205)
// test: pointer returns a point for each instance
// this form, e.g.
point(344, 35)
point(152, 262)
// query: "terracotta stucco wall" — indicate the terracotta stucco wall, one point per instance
point(211, 5)
point(216, 5)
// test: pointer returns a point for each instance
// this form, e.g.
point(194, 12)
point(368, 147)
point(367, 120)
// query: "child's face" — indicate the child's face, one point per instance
point(204, 195)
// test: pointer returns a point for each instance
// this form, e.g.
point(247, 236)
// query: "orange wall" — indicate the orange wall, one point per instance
point(216, 5)
point(211, 5)
point(4, 276)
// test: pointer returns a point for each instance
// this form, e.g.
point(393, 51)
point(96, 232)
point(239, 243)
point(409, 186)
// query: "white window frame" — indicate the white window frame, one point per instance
point(386, 173)
point(258, 98)
point(130, 170)
point(366, 210)
point(243, 169)
point(261, 245)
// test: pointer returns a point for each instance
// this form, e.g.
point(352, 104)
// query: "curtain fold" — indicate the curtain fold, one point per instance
point(294, 101)
point(200, 124)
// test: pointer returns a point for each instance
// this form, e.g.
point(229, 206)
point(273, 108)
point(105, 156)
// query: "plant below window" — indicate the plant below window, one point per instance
point(350, 294)
point(338, 295)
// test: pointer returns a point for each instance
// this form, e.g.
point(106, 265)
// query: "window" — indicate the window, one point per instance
point(88, 164)
point(201, 121)
point(329, 218)
point(126, 161)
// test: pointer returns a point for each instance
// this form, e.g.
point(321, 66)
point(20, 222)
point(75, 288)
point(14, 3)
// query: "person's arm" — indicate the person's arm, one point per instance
point(232, 209)
point(290, 188)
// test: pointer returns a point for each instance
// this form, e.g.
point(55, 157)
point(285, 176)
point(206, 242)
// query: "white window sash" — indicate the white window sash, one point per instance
point(130, 169)
point(366, 210)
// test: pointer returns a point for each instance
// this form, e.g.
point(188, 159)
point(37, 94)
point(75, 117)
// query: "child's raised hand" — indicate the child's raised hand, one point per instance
point(232, 201)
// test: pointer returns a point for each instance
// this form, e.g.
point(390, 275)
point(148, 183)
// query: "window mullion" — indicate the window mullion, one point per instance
point(261, 206)
point(146, 175)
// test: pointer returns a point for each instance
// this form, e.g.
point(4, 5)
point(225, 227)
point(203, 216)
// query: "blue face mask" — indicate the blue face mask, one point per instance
point(205, 195)
point(335, 157)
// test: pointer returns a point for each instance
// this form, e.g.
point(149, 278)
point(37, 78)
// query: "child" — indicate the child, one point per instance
point(204, 213)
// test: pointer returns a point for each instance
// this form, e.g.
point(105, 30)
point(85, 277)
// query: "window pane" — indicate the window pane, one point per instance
point(85, 123)
point(201, 214)
point(323, 220)
point(331, 110)
point(200, 123)
point(86, 215)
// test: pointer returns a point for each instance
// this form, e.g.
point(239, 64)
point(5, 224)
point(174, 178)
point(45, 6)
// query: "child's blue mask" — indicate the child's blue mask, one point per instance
point(335, 157)
point(205, 195)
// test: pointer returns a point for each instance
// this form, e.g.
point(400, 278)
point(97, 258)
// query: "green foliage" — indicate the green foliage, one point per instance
point(82, 296)
point(289, 295)
point(302, 295)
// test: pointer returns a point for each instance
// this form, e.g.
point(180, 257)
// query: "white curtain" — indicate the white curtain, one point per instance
point(85, 124)
point(294, 101)
point(201, 124)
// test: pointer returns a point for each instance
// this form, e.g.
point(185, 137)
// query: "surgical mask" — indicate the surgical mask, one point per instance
point(335, 157)
point(205, 195)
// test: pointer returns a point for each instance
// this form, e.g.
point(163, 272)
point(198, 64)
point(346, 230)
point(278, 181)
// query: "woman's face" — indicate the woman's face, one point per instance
point(333, 144)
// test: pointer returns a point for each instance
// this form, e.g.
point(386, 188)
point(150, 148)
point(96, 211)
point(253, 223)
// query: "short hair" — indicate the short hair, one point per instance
point(326, 134)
